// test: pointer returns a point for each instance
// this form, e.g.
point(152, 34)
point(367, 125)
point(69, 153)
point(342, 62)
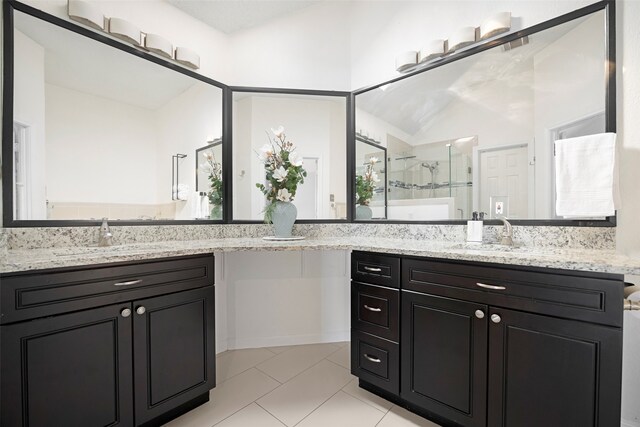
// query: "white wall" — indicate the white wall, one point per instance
point(284, 298)
point(99, 150)
point(628, 232)
point(307, 49)
point(29, 110)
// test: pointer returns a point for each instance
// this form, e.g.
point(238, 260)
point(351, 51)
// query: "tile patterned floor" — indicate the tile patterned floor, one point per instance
point(305, 386)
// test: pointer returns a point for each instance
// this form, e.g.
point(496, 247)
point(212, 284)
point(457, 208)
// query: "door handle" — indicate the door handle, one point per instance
point(376, 309)
point(494, 287)
point(373, 269)
point(372, 359)
point(129, 283)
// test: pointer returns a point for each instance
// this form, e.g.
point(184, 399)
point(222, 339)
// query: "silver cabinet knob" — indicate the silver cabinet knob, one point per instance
point(495, 318)
point(141, 310)
point(480, 314)
point(125, 312)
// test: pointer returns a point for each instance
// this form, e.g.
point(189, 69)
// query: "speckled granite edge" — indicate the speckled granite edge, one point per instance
point(601, 238)
point(606, 261)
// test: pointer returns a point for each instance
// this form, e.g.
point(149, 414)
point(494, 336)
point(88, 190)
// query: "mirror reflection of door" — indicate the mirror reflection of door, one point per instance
point(504, 177)
point(306, 200)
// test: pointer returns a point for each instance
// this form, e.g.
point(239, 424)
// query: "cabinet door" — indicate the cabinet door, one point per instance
point(174, 351)
point(444, 357)
point(68, 370)
point(545, 371)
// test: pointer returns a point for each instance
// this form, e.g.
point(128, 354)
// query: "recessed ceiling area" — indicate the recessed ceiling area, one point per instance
point(230, 16)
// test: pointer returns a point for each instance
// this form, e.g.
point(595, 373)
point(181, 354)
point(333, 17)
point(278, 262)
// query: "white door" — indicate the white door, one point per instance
point(504, 173)
point(306, 200)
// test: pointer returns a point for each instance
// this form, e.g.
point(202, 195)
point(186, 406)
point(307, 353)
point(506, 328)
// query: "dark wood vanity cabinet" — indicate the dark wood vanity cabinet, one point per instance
point(154, 345)
point(501, 346)
point(375, 321)
point(444, 357)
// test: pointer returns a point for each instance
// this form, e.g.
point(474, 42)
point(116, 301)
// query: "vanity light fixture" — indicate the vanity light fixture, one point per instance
point(86, 13)
point(462, 38)
point(187, 57)
point(497, 24)
point(406, 60)
point(124, 30)
point(158, 44)
point(434, 49)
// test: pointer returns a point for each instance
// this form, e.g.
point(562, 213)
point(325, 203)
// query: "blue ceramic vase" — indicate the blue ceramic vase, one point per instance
point(283, 217)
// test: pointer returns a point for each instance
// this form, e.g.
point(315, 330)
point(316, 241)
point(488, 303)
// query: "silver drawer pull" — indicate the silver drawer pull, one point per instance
point(372, 359)
point(494, 287)
point(374, 269)
point(129, 283)
point(376, 309)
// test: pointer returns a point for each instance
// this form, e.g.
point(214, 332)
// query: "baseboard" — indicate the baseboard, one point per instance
point(257, 342)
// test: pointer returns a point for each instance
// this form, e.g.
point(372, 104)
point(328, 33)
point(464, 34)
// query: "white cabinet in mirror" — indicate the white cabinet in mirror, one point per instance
point(482, 128)
point(98, 128)
point(316, 125)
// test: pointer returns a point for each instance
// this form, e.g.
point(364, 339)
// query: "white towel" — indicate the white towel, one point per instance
point(586, 176)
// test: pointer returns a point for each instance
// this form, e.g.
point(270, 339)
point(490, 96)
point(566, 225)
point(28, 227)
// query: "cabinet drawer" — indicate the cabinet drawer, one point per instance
point(592, 297)
point(377, 269)
point(375, 310)
point(376, 361)
point(27, 296)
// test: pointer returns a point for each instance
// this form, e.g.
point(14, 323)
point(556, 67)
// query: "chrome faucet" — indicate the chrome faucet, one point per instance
point(507, 232)
point(105, 238)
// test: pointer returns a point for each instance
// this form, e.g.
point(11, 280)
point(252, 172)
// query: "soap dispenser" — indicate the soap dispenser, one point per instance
point(474, 228)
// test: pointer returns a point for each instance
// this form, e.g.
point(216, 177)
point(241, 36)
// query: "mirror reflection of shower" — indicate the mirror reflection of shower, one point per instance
point(433, 169)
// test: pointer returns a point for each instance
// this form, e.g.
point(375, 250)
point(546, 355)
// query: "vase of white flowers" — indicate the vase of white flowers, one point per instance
point(284, 172)
point(365, 186)
point(214, 170)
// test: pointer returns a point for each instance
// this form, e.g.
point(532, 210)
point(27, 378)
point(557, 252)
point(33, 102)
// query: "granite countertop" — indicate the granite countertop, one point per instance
point(606, 261)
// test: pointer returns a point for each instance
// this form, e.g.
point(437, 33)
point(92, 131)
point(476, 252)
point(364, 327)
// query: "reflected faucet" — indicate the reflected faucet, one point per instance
point(105, 238)
point(507, 232)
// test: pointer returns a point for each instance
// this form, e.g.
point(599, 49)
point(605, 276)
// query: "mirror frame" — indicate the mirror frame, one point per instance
point(9, 6)
point(608, 6)
point(279, 91)
point(227, 100)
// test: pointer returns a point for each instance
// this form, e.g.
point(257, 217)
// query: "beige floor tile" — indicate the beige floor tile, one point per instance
point(343, 410)
point(227, 398)
point(251, 416)
point(281, 349)
point(296, 399)
point(400, 417)
point(367, 397)
point(342, 357)
point(233, 362)
point(290, 363)
point(342, 343)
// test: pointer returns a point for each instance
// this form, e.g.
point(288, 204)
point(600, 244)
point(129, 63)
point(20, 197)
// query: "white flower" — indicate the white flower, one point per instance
point(278, 132)
point(284, 195)
point(294, 159)
point(280, 174)
point(374, 176)
point(373, 160)
point(208, 155)
point(266, 152)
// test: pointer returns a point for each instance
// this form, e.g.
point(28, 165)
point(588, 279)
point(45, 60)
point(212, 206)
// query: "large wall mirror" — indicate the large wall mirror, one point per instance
point(477, 133)
point(99, 132)
point(316, 125)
